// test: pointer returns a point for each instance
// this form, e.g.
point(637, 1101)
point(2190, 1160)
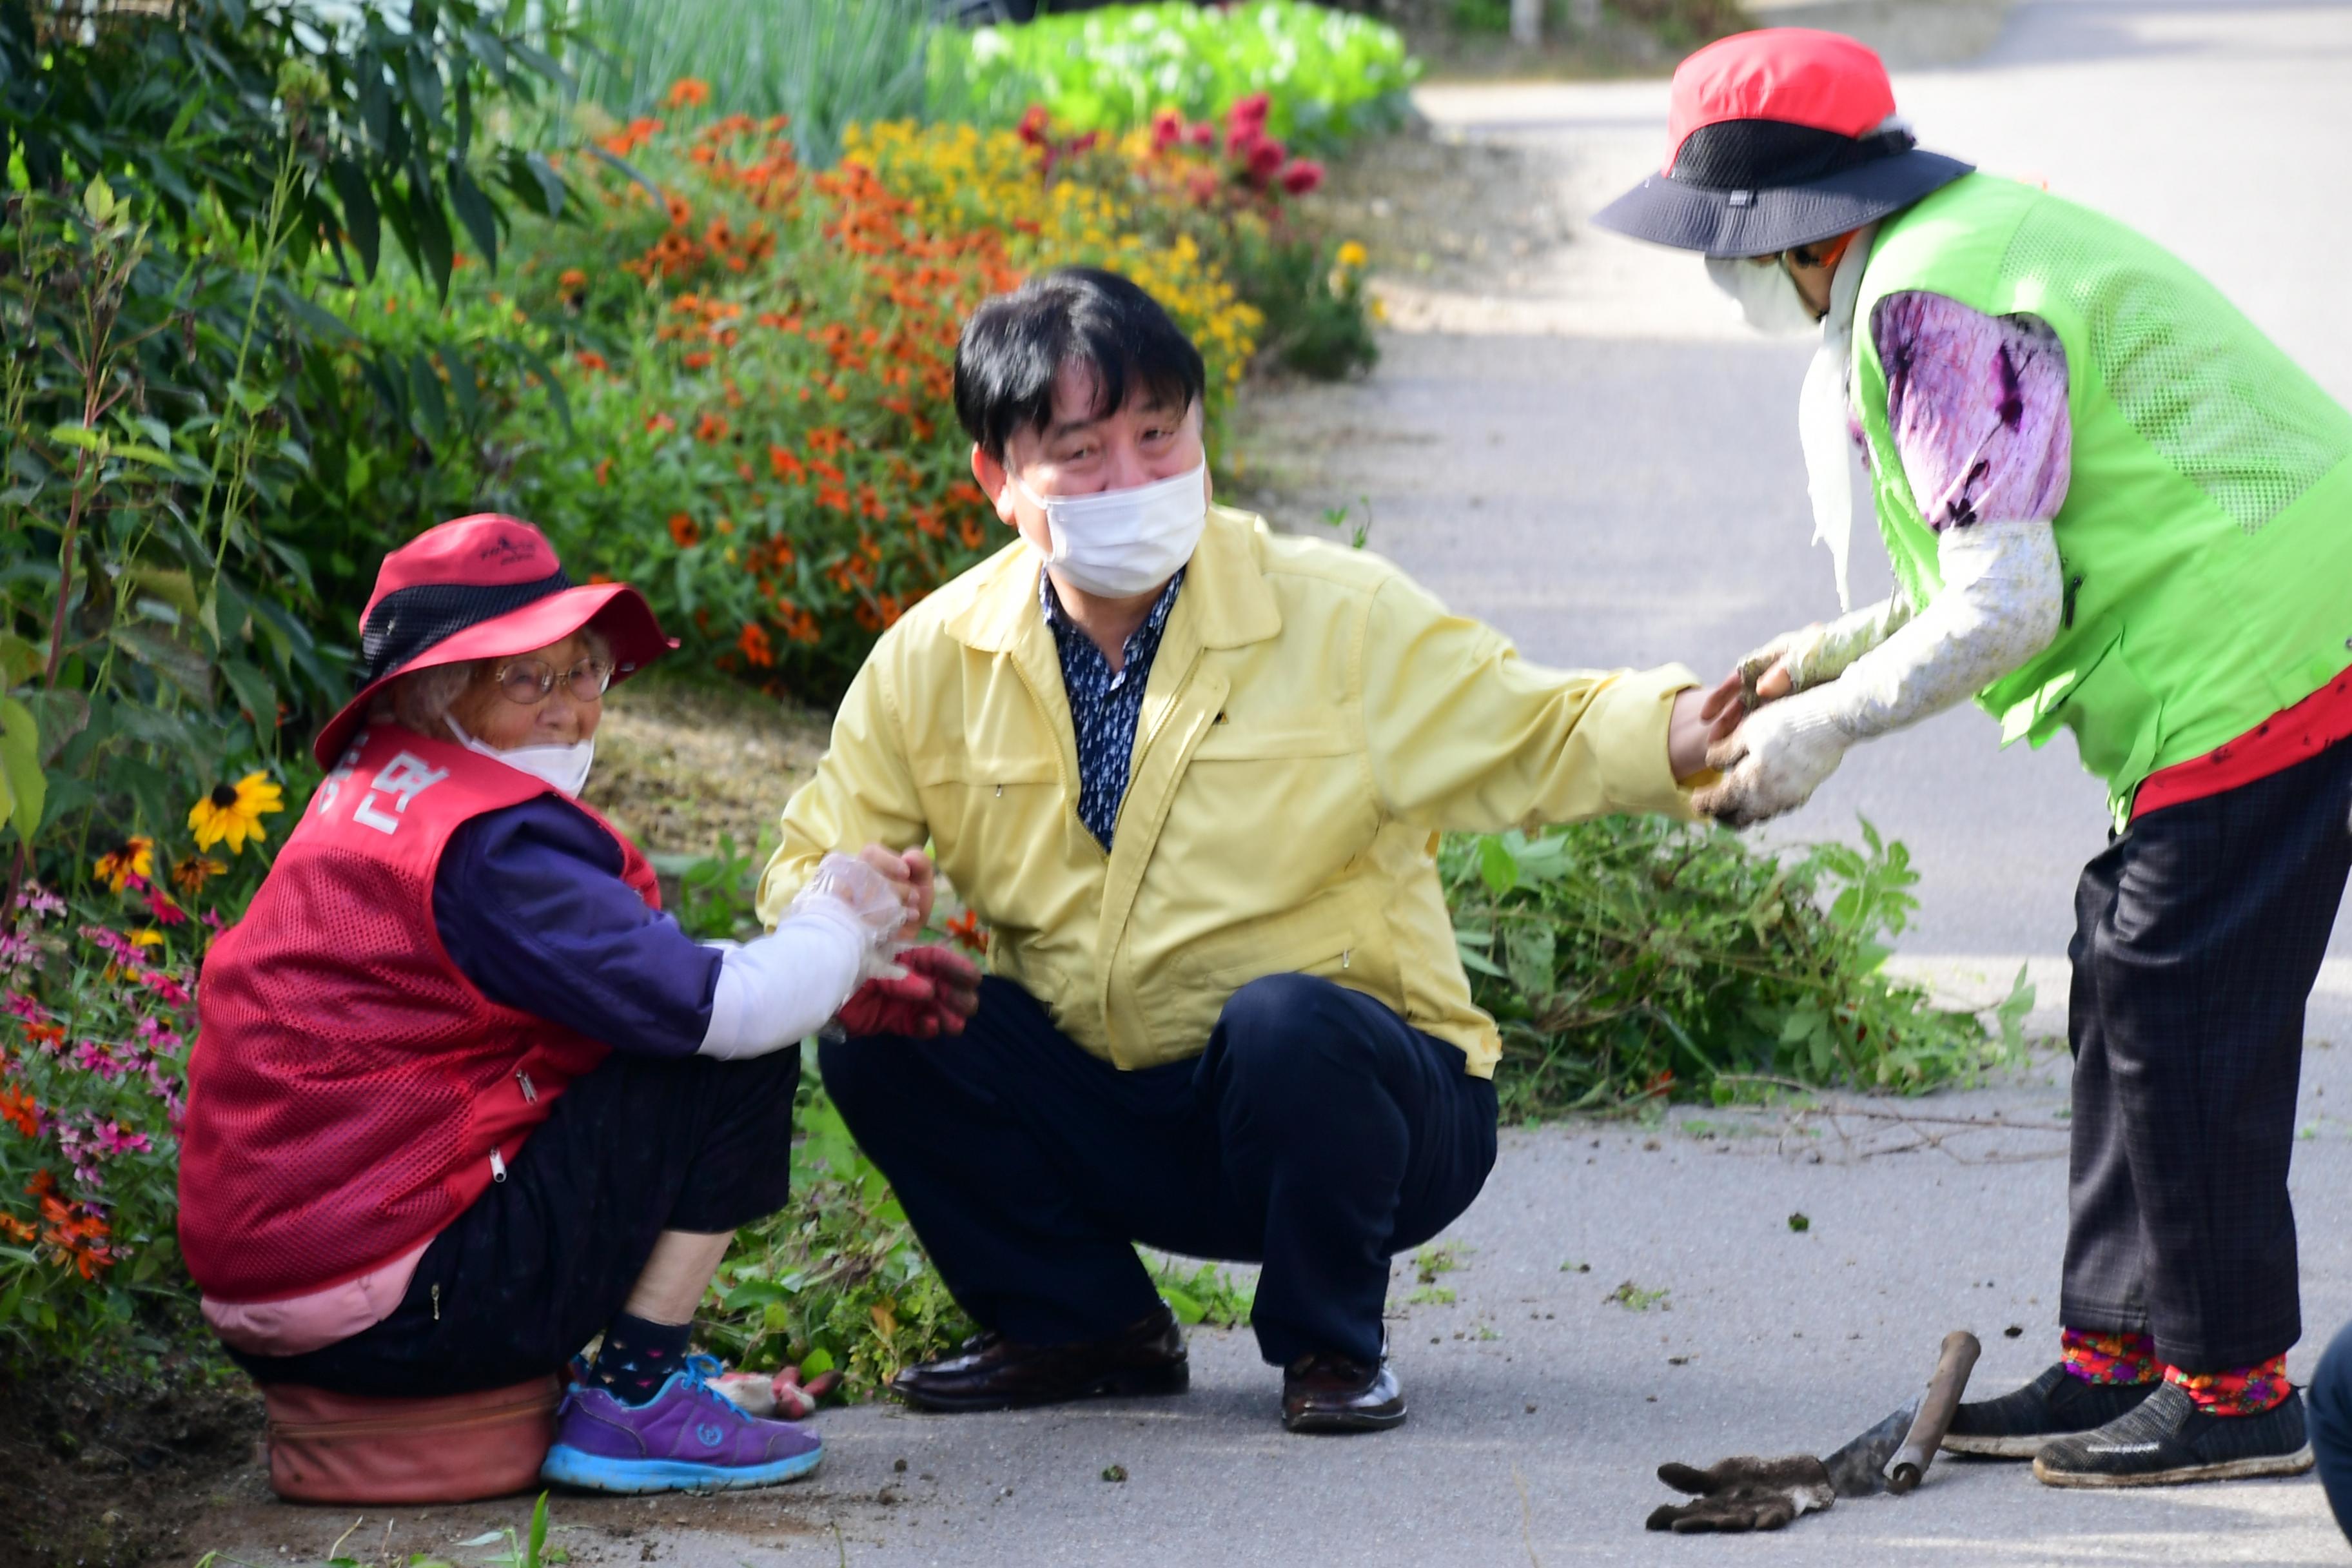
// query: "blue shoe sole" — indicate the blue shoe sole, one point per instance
point(570, 1467)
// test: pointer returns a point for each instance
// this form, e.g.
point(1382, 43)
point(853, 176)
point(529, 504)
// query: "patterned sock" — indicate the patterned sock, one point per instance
point(637, 1357)
point(2121, 1358)
point(2242, 1391)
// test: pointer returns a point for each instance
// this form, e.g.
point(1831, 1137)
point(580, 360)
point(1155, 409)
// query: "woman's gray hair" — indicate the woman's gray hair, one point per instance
point(420, 700)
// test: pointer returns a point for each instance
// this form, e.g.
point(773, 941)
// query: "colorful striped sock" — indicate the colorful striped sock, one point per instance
point(2242, 1391)
point(2119, 1358)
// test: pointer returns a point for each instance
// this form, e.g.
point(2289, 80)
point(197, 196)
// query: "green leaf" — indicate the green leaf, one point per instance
point(361, 221)
point(20, 764)
point(80, 436)
point(475, 210)
point(432, 408)
point(1186, 1309)
point(816, 1363)
point(1497, 868)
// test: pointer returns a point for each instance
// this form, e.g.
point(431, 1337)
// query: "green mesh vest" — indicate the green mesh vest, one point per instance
point(2207, 535)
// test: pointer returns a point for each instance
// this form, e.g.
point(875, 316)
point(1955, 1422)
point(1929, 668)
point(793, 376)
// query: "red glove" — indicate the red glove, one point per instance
point(939, 992)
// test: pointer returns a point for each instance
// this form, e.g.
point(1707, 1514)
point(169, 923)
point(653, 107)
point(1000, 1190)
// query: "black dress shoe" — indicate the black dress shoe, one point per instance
point(993, 1373)
point(1334, 1394)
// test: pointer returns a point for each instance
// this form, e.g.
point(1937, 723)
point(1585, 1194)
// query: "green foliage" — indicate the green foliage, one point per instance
point(1634, 957)
point(836, 1281)
point(1318, 320)
point(828, 64)
point(1334, 78)
point(1205, 1294)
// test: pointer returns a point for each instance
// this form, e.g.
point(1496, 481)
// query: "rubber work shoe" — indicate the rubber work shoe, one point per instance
point(686, 1437)
point(2168, 1440)
point(2020, 1423)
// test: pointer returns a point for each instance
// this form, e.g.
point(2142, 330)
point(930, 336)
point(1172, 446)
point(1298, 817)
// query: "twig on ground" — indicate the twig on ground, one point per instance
point(1926, 1131)
point(1527, 1515)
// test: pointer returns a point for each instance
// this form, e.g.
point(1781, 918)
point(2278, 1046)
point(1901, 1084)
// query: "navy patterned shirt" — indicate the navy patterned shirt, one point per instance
point(1105, 703)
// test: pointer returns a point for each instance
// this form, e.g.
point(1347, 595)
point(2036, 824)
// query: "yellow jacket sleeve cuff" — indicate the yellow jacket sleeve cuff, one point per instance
point(1633, 711)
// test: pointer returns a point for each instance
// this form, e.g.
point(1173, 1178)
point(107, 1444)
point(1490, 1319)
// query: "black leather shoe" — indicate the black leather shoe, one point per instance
point(993, 1373)
point(1334, 1394)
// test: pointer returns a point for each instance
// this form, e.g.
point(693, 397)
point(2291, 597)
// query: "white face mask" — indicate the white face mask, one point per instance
point(564, 767)
point(1120, 544)
point(1767, 294)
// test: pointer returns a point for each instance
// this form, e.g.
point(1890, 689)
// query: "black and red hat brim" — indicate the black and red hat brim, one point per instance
point(1722, 220)
point(430, 626)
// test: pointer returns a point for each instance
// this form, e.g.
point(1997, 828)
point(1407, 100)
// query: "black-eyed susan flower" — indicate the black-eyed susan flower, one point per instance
point(234, 812)
point(134, 857)
point(191, 872)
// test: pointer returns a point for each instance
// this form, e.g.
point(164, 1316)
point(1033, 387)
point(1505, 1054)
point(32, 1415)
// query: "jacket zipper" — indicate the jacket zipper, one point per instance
point(437, 1303)
point(498, 1166)
point(530, 1093)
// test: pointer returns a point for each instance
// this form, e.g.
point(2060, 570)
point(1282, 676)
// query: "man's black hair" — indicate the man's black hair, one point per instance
point(1016, 343)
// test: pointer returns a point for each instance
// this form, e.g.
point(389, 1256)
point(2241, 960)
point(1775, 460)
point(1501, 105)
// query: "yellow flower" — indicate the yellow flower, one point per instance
point(146, 936)
point(135, 858)
point(234, 812)
point(1352, 254)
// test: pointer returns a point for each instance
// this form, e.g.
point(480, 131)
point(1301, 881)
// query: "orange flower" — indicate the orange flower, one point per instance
point(965, 929)
point(589, 360)
point(687, 92)
point(712, 428)
point(16, 1229)
point(827, 441)
point(604, 470)
point(682, 529)
point(699, 360)
point(660, 424)
point(19, 1110)
point(785, 464)
point(755, 646)
point(835, 498)
point(572, 281)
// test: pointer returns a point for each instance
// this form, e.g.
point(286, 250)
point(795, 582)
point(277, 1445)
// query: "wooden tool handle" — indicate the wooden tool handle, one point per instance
point(1910, 1462)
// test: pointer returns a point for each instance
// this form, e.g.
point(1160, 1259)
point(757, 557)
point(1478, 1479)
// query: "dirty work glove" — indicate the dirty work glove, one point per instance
point(936, 990)
point(1776, 759)
point(1743, 1494)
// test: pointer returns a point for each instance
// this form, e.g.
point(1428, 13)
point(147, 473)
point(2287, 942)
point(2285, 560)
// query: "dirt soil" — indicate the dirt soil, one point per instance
point(679, 762)
point(1432, 205)
point(110, 1473)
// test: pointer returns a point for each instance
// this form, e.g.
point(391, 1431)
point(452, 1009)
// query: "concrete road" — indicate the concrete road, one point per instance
point(1598, 462)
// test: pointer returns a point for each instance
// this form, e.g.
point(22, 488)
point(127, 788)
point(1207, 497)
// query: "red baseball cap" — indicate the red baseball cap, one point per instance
point(1778, 138)
point(482, 587)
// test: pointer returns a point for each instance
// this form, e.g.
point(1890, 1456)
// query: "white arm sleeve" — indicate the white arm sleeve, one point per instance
point(781, 988)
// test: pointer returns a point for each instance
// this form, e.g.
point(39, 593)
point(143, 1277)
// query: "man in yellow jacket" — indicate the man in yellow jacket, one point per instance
point(1191, 775)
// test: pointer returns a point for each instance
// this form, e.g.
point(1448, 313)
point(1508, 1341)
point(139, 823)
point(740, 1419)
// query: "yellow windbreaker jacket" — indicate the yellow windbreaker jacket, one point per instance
point(1312, 721)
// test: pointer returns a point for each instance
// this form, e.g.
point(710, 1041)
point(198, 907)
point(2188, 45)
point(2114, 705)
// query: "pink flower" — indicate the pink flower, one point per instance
point(166, 911)
point(164, 985)
point(1202, 135)
point(1249, 112)
point(25, 1007)
point(96, 1057)
point(39, 901)
point(158, 1039)
point(17, 951)
point(1167, 129)
point(111, 942)
point(113, 1140)
point(1301, 176)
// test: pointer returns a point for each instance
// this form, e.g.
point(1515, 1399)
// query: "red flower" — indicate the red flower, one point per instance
point(755, 647)
point(1264, 158)
point(660, 424)
point(682, 529)
point(1167, 129)
point(1202, 135)
point(1301, 176)
point(18, 1108)
point(711, 427)
point(965, 929)
point(1034, 125)
point(589, 360)
point(1249, 111)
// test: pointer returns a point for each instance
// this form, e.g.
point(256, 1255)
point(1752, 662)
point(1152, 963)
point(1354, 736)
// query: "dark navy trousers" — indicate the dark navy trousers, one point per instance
point(1319, 1134)
point(2330, 1401)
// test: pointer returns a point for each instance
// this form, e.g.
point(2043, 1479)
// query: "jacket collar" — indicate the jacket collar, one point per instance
point(1225, 599)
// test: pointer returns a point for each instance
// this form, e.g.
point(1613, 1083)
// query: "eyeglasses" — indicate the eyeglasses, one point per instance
point(528, 680)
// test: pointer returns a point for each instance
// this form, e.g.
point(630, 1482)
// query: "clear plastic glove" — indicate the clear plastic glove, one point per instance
point(876, 908)
point(1743, 1494)
point(1775, 760)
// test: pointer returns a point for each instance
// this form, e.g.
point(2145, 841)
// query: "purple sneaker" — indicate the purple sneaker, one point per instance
point(688, 1437)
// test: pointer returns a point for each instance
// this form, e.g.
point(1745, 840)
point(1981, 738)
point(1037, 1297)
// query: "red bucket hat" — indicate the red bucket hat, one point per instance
point(482, 587)
point(1775, 139)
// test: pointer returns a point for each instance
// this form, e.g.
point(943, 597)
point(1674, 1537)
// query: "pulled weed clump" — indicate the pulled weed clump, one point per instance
point(1636, 958)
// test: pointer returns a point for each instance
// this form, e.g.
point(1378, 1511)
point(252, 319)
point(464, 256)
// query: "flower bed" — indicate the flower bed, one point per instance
point(1333, 77)
point(757, 367)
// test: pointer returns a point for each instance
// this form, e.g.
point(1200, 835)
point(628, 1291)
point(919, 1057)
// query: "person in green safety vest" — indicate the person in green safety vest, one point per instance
point(2113, 506)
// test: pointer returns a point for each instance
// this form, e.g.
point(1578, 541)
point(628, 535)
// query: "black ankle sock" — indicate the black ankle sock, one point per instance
point(637, 1357)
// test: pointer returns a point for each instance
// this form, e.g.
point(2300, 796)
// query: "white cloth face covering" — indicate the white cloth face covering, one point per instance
point(776, 990)
point(563, 767)
point(1766, 293)
point(1120, 544)
point(1821, 415)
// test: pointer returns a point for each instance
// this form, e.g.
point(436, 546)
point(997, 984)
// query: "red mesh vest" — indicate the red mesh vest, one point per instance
point(350, 1092)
